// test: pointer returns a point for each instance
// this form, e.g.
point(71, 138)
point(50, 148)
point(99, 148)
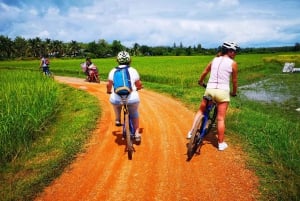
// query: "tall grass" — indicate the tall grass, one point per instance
point(27, 100)
point(51, 152)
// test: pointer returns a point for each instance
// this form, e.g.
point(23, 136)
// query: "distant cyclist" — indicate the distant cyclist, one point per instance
point(124, 60)
point(221, 69)
point(44, 64)
point(88, 63)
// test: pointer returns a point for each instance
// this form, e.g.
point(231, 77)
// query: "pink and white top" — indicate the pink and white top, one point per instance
point(221, 69)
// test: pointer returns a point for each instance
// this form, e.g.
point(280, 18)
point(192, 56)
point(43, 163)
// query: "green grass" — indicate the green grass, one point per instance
point(54, 147)
point(269, 132)
point(27, 102)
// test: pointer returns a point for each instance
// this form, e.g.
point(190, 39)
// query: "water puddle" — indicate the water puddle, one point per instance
point(266, 91)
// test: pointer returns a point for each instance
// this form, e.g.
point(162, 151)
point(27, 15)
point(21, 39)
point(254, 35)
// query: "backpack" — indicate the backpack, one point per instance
point(122, 81)
point(46, 61)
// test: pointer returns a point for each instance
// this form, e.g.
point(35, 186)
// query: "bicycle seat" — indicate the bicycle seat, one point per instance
point(209, 98)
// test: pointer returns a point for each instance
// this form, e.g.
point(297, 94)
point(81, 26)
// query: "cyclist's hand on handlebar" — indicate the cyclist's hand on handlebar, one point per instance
point(233, 94)
point(202, 84)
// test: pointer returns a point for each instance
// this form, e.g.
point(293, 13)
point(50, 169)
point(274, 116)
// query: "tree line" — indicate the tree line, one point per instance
point(22, 48)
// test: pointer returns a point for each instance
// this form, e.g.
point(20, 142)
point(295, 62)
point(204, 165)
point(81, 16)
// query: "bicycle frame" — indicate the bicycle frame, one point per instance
point(47, 72)
point(210, 104)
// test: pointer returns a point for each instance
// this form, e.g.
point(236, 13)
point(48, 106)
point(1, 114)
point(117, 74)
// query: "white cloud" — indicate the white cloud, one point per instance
point(156, 22)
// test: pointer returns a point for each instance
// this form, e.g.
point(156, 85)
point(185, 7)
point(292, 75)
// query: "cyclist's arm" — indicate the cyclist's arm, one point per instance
point(234, 78)
point(138, 85)
point(204, 73)
point(109, 86)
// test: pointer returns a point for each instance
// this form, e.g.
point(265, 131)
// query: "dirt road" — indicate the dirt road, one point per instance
point(159, 170)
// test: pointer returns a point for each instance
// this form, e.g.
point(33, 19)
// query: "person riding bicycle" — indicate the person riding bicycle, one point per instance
point(124, 61)
point(221, 69)
point(88, 64)
point(44, 64)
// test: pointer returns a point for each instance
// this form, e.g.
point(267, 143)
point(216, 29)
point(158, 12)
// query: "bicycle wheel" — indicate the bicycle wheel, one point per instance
point(195, 140)
point(128, 137)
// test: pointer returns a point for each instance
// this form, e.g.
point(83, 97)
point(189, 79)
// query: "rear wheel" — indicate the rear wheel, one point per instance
point(195, 140)
point(128, 138)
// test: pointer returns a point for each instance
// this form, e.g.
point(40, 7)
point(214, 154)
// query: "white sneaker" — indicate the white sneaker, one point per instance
point(118, 123)
point(189, 135)
point(137, 137)
point(222, 146)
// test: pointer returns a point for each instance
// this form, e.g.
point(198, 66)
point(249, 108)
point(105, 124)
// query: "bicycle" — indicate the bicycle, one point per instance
point(204, 124)
point(128, 129)
point(46, 71)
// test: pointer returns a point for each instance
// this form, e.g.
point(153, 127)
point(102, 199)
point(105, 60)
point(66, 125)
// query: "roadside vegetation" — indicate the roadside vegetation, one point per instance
point(268, 131)
point(35, 143)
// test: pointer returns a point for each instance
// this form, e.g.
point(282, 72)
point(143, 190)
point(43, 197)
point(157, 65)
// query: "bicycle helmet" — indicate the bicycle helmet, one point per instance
point(230, 46)
point(123, 57)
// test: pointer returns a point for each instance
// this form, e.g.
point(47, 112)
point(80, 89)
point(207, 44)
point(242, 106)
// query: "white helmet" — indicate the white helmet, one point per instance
point(123, 57)
point(230, 46)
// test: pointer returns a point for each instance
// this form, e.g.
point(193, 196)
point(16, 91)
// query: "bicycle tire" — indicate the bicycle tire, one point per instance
point(128, 138)
point(195, 140)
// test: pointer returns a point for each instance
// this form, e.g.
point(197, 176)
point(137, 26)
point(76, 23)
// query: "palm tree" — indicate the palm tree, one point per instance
point(136, 49)
point(74, 48)
point(20, 46)
point(57, 48)
point(6, 47)
point(35, 47)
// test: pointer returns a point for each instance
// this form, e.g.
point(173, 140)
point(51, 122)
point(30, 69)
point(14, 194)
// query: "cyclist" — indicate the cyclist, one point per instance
point(221, 69)
point(44, 64)
point(124, 60)
point(88, 63)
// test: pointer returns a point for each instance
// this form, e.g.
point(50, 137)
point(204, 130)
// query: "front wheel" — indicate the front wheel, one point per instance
point(195, 140)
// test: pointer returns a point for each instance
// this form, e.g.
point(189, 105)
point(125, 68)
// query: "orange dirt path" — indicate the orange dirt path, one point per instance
point(159, 170)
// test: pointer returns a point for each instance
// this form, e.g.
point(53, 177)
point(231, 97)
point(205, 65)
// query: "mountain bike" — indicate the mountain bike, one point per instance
point(128, 129)
point(204, 124)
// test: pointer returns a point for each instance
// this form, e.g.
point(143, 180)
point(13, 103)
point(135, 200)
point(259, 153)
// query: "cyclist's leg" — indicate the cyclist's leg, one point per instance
point(197, 115)
point(134, 115)
point(117, 110)
point(44, 70)
point(222, 108)
point(222, 97)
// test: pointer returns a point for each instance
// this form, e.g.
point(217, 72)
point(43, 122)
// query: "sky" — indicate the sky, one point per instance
point(250, 23)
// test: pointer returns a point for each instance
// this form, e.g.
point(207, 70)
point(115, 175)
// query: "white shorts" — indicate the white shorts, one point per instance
point(218, 95)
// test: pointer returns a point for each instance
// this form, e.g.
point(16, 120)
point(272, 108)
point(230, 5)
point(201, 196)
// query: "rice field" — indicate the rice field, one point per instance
point(28, 99)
